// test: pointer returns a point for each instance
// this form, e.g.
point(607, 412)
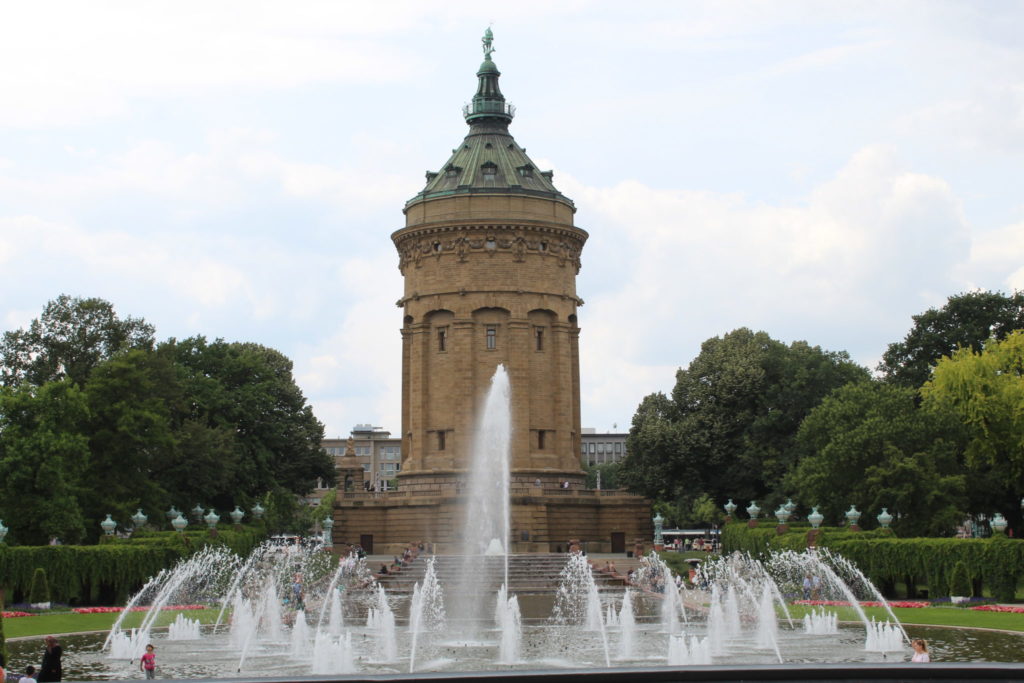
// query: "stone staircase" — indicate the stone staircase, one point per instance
point(537, 573)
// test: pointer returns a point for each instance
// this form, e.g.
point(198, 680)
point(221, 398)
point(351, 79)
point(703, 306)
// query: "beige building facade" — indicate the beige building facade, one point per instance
point(489, 254)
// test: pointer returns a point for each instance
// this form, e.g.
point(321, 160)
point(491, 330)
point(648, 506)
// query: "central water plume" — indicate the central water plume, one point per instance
point(486, 526)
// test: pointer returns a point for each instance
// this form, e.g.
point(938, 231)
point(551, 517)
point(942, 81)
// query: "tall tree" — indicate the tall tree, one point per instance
point(869, 445)
point(68, 340)
point(985, 390)
point(728, 430)
point(966, 320)
point(44, 451)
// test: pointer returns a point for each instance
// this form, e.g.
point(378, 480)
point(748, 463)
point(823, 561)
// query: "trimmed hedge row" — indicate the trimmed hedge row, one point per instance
point(109, 572)
point(996, 562)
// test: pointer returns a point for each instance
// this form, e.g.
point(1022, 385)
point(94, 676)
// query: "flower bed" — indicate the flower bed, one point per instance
point(11, 615)
point(145, 608)
point(866, 603)
point(998, 608)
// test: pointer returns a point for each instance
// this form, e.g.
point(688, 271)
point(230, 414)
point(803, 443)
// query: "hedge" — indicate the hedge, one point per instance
point(997, 562)
point(111, 571)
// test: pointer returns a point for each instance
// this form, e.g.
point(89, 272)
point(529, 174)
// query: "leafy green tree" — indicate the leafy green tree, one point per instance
point(609, 475)
point(44, 451)
point(966, 320)
point(68, 340)
point(249, 390)
point(985, 390)
point(869, 445)
point(729, 427)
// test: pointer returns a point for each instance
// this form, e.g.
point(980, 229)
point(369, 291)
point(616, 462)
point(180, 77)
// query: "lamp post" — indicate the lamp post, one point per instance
point(730, 508)
point(753, 511)
point(782, 514)
point(998, 523)
point(179, 523)
point(257, 511)
point(108, 525)
point(884, 518)
point(237, 515)
point(328, 525)
point(852, 517)
point(659, 543)
point(139, 518)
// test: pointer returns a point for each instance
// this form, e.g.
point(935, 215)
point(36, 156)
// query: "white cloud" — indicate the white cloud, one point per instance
point(838, 270)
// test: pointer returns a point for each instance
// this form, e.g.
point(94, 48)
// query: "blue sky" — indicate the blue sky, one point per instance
point(821, 171)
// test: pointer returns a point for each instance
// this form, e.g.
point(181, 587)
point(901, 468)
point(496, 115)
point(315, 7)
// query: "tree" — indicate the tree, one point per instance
point(966, 320)
point(249, 390)
point(44, 450)
point(68, 340)
point(985, 390)
point(870, 445)
point(728, 429)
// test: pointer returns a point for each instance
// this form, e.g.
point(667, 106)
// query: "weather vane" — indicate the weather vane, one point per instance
point(488, 37)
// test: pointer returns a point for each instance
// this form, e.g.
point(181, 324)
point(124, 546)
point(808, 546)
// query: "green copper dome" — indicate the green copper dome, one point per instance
point(489, 160)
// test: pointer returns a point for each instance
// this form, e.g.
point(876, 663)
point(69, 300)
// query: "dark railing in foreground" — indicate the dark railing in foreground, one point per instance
point(886, 673)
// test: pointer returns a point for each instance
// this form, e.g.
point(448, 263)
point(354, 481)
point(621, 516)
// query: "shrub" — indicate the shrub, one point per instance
point(960, 580)
point(40, 590)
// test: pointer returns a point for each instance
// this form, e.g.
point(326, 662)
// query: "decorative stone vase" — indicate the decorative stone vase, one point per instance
point(730, 508)
point(139, 518)
point(108, 525)
point(257, 511)
point(753, 511)
point(884, 518)
point(237, 515)
point(815, 518)
point(179, 523)
point(998, 523)
point(852, 517)
point(211, 519)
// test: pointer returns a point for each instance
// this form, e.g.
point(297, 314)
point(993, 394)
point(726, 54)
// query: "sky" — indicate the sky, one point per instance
point(821, 171)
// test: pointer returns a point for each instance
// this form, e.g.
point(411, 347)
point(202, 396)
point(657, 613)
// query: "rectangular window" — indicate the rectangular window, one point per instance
point(583, 448)
point(440, 439)
point(366, 467)
point(442, 339)
point(538, 335)
point(618, 446)
point(593, 448)
point(541, 433)
point(600, 448)
point(492, 337)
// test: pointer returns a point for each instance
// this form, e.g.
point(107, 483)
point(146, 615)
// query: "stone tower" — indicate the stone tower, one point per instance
point(489, 254)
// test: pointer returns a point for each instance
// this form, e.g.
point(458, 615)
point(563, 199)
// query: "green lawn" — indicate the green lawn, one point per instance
point(931, 616)
point(70, 622)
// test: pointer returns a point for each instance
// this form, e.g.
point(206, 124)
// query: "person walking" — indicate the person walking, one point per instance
point(147, 662)
point(50, 669)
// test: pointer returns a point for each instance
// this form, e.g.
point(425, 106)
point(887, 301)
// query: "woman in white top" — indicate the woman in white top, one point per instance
point(920, 650)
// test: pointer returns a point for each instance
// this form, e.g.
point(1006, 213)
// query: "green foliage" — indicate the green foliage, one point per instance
point(985, 390)
point(40, 589)
point(115, 568)
point(966, 321)
point(44, 454)
point(609, 475)
point(960, 580)
point(68, 340)
point(728, 429)
point(870, 445)
point(131, 426)
point(886, 560)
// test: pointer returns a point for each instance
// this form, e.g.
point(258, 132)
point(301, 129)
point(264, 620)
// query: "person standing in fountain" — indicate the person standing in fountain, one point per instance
point(50, 669)
point(920, 650)
point(147, 662)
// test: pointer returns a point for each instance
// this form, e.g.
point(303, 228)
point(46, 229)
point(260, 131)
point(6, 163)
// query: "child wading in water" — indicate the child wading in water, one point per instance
point(147, 662)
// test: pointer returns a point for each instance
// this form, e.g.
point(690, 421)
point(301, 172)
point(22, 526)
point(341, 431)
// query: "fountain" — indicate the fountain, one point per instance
point(183, 628)
point(738, 613)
